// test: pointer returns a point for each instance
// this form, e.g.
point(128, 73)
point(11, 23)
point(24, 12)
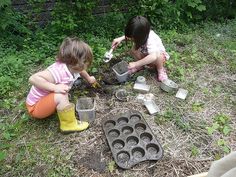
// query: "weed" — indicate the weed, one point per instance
point(111, 166)
point(197, 106)
point(2, 155)
point(194, 151)
point(213, 128)
point(171, 115)
point(223, 145)
point(167, 116)
point(221, 123)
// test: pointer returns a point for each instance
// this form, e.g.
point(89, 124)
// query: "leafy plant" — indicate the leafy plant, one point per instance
point(213, 128)
point(221, 124)
point(197, 106)
point(167, 116)
point(2, 155)
point(12, 22)
point(224, 145)
point(194, 151)
point(68, 17)
point(111, 166)
point(170, 115)
point(192, 8)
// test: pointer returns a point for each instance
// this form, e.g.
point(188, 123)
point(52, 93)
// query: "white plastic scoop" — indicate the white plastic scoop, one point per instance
point(108, 56)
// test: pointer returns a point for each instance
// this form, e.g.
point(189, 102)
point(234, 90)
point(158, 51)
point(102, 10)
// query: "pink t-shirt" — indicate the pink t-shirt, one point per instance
point(61, 75)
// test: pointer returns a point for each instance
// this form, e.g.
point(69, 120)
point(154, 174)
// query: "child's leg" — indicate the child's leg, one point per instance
point(47, 105)
point(61, 100)
point(43, 108)
point(66, 114)
point(160, 61)
point(160, 66)
point(66, 111)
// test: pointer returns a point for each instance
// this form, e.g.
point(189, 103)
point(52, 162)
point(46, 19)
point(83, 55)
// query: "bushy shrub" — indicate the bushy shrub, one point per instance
point(219, 10)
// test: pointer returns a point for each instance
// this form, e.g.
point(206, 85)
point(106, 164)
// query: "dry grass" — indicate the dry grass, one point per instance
point(178, 160)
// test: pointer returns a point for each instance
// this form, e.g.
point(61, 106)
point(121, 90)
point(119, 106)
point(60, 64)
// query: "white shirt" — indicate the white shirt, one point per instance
point(153, 44)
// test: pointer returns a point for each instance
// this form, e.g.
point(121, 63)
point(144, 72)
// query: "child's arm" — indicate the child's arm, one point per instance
point(146, 60)
point(117, 41)
point(44, 80)
point(86, 76)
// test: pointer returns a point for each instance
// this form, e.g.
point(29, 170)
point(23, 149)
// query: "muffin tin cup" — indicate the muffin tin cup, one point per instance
point(131, 139)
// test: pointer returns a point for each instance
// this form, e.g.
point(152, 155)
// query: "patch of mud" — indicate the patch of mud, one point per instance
point(93, 161)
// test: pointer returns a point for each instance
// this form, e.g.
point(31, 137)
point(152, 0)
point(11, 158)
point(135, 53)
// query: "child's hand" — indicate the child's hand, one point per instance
point(91, 80)
point(61, 88)
point(96, 85)
point(132, 67)
point(117, 41)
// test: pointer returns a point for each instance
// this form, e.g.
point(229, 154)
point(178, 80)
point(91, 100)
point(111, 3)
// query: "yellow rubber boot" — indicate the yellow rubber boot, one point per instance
point(68, 121)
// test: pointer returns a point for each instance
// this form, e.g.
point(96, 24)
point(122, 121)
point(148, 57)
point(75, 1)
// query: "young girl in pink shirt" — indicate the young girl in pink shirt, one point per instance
point(49, 91)
point(148, 48)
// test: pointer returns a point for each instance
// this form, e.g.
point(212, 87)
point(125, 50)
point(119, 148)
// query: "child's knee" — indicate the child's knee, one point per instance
point(61, 97)
point(160, 59)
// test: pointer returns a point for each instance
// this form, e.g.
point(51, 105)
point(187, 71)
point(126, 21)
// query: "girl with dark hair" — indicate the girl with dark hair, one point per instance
point(148, 48)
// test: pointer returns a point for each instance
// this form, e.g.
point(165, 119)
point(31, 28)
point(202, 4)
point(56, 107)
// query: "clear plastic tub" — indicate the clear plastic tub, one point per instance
point(121, 70)
point(85, 108)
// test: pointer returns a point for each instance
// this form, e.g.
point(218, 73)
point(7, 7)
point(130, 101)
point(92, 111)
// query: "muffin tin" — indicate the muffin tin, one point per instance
point(131, 140)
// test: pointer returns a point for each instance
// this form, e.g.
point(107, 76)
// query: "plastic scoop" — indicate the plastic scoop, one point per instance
point(108, 56)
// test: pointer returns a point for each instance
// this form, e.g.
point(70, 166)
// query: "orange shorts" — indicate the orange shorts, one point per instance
point(45, 107)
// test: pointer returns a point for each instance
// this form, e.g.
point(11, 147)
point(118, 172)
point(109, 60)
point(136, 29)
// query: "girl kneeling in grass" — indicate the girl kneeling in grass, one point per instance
point(148, 48)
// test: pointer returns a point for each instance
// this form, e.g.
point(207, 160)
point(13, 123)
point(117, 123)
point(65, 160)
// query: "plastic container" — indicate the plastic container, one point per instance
point(131, 140)
point(85, 108)
point(121, 71)
point(169, 86)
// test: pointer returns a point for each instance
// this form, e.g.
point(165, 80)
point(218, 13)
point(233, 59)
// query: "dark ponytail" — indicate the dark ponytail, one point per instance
point(138, 29)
